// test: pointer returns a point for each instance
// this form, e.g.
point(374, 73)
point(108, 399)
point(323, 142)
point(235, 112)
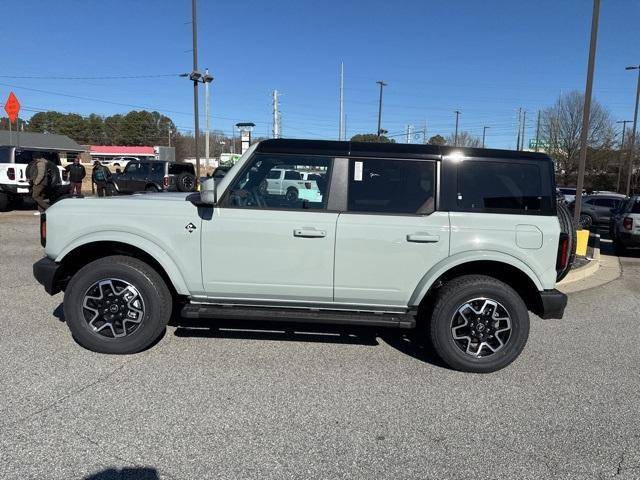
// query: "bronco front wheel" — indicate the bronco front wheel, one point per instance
point(117, 304)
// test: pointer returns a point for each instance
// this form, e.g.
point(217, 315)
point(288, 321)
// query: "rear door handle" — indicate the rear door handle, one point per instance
point(422, 238)
point(309, 233)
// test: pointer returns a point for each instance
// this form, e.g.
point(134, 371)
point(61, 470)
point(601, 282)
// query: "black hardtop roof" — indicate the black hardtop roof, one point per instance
point(385, 150)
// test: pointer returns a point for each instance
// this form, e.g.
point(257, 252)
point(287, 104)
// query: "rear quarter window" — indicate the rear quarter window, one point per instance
point(504, 187)
point(178, 168)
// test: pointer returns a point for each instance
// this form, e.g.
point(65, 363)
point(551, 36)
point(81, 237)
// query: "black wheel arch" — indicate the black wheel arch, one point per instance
point(84, 254)
point(512, 276)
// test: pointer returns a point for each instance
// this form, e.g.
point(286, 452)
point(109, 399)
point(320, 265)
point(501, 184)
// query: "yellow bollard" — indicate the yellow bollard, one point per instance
point(582, 241)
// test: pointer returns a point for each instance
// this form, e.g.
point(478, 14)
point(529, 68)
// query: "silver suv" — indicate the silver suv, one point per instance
point(459, 244)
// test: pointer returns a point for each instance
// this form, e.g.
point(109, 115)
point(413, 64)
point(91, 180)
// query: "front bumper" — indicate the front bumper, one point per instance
point(553, 304)
point(48, 274)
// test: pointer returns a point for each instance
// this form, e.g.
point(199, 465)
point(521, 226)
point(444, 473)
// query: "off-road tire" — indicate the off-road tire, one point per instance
point(5, 202)
point(157, 304)
point(292, 195)
point(456, 293)
point(186, 182)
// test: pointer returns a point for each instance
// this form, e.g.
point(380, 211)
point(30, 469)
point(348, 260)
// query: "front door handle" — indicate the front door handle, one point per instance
point(422, 238)
point(309, 233)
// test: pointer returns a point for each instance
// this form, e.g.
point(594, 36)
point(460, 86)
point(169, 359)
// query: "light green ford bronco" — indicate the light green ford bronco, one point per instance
point(458, 243)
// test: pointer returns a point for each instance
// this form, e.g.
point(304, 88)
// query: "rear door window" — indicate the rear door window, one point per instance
point(503, 187)
point(391, 186)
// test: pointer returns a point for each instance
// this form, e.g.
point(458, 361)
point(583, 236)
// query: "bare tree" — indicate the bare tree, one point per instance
point(465, 139)
point(561, 126)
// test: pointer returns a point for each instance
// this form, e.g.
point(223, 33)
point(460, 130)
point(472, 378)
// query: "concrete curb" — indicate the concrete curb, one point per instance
point(583, 278)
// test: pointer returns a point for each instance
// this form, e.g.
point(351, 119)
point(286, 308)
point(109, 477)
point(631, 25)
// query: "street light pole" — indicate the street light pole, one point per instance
point(587, 110)
point(484, 132)
point(195, 75)
point(624, 128)
point(455, 137)
point(633, 135)
point(382, 85)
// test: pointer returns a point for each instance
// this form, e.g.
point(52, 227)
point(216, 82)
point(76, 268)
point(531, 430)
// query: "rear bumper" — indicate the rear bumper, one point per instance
point(629, 239)
point(553, 304)
point(47, 273)
point(12, 189)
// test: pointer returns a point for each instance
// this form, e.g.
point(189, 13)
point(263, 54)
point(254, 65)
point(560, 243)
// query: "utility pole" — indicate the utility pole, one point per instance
point(382, 85)
point(206, 116)
point(519, 127)
point(170, 132)
point(524, 122)
point(633, 135)
point(345, 127)
point(341, 123)
point(424, 132)
point(587, 110)
point(624, 128)
point(195, 75)
point(538, 131)
point(455, 137)
point(276, 116)
point(409, 129)
point(484, 133)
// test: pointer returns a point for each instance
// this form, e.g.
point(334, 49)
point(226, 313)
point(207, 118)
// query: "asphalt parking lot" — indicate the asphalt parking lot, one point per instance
point(273, 401)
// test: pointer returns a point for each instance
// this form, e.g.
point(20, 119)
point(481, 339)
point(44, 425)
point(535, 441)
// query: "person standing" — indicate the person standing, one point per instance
point(76, 173)
point(37, 174)
point(100, 176)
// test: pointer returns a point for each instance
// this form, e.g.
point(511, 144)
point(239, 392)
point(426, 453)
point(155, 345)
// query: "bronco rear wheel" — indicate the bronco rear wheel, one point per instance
point(117, 305)
point(479, 324)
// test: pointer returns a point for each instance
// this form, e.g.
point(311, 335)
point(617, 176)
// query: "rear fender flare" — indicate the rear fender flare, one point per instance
point(448, 263)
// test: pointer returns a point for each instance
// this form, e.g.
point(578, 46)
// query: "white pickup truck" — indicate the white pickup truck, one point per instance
point(14, 184)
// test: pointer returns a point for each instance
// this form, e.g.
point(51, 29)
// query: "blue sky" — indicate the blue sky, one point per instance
point(484, 58)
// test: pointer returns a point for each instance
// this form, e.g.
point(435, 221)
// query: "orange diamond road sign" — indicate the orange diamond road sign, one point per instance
point(12, 107)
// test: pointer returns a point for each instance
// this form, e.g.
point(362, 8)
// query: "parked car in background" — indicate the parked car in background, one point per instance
point(155, 176)
point(570, 193)
point(14, 184)
point(293, 185)
point(221, 171)
point(625, 225)
point(119, 161)
point(596, 209)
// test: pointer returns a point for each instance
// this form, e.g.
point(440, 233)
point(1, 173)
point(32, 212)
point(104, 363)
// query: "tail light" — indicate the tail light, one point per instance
point(307, 185)
point(165, 182)
point(11, 173)
point(43, 229)
point(627, 223)
point(563, 252)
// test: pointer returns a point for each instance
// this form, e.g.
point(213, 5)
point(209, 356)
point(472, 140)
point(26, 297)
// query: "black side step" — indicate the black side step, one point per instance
point(272, 314)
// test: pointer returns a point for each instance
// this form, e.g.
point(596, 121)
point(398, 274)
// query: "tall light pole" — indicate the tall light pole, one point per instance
point(382, 85)
point(633, 135)
point(207, 79)
point(484, 133)
point(341, 122)
point(524, 122)
point(195, 76)
point(587, 110)
point(624, 129)
point(455, 137)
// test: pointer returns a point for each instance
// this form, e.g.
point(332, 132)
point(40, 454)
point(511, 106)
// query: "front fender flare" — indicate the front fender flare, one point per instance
point(448, 263)
point(158, 253)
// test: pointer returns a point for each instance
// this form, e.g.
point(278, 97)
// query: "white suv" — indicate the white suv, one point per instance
point(14, 184)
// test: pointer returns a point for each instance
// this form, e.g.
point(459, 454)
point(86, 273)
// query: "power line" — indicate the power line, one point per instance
point(102, 77)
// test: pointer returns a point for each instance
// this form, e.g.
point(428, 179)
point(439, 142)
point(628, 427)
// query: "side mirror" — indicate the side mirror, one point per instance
point(208, 193)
